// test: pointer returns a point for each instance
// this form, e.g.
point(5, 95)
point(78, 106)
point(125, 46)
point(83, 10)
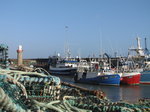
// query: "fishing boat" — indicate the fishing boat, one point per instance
point(145, 74)
point(64, 68)
point(130, 78)
point(129, 74)
point(145, 77)
point(63, 71)
point(143, 54)
point(101, 79)
point(104, 76)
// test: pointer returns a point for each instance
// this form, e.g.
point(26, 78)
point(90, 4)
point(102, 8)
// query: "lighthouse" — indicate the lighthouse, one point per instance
point(19, 55)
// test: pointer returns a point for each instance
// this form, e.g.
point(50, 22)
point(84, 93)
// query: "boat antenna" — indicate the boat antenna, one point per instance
point(101, 45)
point(66, 42)
point(146, 50)
point(145, 44)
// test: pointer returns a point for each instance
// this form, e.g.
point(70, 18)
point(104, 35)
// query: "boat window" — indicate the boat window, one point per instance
point(113, 76)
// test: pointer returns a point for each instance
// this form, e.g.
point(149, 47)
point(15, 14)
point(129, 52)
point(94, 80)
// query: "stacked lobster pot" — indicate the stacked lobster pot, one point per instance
point(13, 95)
point(38, 86)
point(42, 88)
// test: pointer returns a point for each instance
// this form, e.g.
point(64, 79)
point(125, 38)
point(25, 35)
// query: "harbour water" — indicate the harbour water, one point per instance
point(130, 93)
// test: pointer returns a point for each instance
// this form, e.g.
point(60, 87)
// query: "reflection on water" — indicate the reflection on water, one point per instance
point(116, 93)
point(130, 93)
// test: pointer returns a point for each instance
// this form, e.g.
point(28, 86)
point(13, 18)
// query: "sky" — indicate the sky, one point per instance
point(87, 27)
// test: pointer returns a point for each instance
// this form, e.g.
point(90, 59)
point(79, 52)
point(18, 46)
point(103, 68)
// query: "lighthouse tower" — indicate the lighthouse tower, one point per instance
point(19, 55)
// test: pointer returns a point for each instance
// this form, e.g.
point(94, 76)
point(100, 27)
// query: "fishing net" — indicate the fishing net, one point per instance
point(12, 95)
point(37, 92)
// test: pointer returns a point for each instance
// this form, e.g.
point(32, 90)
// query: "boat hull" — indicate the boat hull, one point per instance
point(145, 77)
point(63, 71)
point(113, 79)
point(130, 78)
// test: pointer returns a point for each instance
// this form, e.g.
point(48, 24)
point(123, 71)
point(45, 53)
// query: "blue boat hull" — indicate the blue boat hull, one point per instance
point(145, 77)
point(113, 79)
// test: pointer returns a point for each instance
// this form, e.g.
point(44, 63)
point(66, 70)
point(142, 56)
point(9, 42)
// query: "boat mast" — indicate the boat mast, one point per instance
point(67, 50)
point(146, 50)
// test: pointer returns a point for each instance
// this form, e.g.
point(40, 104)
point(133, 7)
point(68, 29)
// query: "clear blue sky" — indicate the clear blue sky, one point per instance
point(93, 26)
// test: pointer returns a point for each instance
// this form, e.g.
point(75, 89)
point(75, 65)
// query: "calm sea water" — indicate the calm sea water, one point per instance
point(116, 93)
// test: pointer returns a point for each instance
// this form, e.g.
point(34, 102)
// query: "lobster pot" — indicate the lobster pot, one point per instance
point(12, 95)
point(43, 89)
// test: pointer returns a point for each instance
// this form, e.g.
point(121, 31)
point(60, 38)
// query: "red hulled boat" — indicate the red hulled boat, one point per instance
point(130, 78)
